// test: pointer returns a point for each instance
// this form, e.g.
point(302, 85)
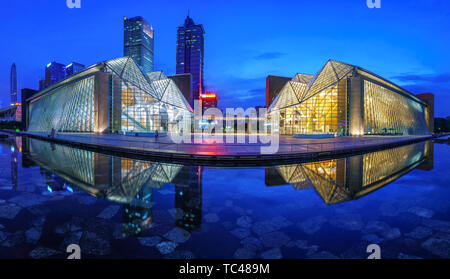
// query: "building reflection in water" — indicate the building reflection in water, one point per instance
point(132, 182)
point(126, 181)
point(15, 145)
point(340, 180)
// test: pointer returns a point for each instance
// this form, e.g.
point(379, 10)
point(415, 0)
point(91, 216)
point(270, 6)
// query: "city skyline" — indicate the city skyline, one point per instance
point(412, 55)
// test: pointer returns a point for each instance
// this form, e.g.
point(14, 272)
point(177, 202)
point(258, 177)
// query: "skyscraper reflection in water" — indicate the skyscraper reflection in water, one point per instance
point(188, 200)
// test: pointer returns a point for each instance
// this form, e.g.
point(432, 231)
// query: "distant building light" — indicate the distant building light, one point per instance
point(68, 188)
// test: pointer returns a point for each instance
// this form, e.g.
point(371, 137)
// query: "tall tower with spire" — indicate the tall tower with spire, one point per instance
point(190, 55)
point(13, 84)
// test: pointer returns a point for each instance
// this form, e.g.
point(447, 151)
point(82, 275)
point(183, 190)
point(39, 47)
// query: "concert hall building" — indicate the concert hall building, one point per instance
point(346, 100)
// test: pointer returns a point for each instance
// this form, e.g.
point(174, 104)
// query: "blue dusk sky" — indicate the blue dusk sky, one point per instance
point(406, 41)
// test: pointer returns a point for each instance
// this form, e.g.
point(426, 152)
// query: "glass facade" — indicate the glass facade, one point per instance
point(314, 104)
point(68, 109)
point(138, 42)
point(339, 93)
point(113, 96)
point(323, 113)
point(386, 112)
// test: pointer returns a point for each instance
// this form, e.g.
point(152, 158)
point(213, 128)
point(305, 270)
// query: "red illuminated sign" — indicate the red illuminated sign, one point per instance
point(208, 96)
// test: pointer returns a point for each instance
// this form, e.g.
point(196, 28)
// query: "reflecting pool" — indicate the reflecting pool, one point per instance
point(52, 196)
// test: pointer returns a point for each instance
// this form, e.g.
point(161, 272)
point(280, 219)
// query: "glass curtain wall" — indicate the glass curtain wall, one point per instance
point(149, 102)
point(114, 93)
point(322, 104)
point(66, 109)
point(389, 113)
point(140, 111)
point(315, 104)
point(323, 113)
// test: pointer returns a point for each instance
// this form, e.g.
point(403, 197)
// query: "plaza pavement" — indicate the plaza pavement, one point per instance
point(289, 147)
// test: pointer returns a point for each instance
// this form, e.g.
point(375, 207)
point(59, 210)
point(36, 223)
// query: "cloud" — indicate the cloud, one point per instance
point(438, 84)
point(440, 78)
point(269, 56)
point(253, 94)
point(240, 81)
point(244, 98)
point(441, 93)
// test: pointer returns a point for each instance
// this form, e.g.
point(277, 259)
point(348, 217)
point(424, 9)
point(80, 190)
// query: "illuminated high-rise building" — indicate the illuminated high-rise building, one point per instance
point(13, 84)
point(190, 55)
point(138, 42)
point(54, 72)
point(73, 68)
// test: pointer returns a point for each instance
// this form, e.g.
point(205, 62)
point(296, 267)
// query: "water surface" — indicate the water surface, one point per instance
point(53, 195)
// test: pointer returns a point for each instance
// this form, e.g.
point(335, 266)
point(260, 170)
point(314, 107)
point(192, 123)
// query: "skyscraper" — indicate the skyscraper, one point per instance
point(13, 84)
point(190, 54)
point(54, 72)
point(73, 68)
point(138, 42)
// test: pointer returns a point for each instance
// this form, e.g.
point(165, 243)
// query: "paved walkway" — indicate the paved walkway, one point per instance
point(287, 145)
